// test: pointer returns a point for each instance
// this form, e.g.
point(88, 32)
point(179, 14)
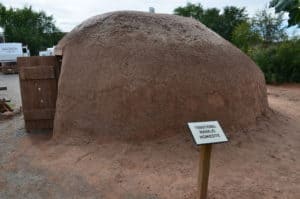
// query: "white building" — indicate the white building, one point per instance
point(2, 39)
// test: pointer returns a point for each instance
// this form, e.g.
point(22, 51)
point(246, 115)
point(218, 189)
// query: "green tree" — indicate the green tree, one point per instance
point(190, 10)
point(244, 36)
point(269, 26)
point(221, 22)
point(280, 61)
point(290, 6)
point(231, 17)
point(35, 29)
point(211, 18)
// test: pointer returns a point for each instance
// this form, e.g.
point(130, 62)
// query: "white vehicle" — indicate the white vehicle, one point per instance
point(10, 51)
point(8, 56)
point(48, 52)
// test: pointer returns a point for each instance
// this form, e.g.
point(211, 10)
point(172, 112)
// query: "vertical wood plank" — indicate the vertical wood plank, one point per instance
point(204, 165)
point(38, 84)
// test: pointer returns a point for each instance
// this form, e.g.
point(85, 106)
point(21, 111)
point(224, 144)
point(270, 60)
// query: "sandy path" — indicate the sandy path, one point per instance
point(260, 162)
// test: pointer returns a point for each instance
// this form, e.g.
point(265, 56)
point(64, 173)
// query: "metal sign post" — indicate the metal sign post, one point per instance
point(205, 134)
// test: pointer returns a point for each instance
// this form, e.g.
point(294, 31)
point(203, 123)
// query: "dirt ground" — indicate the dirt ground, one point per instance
point(259, 162)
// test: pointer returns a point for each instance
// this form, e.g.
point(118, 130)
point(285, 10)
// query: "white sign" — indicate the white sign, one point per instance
point(207, 132)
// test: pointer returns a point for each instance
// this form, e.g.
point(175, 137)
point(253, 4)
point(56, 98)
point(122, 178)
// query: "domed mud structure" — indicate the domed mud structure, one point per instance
point(138, 75)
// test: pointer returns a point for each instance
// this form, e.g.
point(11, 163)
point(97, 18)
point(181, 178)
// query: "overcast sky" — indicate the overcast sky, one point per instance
point(69, 13)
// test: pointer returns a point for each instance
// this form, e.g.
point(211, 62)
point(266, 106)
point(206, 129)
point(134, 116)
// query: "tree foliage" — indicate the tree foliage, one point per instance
point(221, 22)
point(35, 29)
point(290, 6)
point(211, 18)
point(231, 17)
point(244, 36)
point(190, 10)
point(263, 37)
point(279, 62)
point(269, 26)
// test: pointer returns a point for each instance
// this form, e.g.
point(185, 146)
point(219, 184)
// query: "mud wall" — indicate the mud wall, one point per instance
point(141, 75)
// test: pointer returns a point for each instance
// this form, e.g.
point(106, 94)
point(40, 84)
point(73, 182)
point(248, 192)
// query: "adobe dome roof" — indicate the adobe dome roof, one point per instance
point(136, 75)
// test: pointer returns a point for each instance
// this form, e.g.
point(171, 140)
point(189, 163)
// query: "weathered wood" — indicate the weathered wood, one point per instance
point(10, 69)
point(38, 124)
point(4, 107)
point(37, 72)
point(39, 114)
point(38, 94)
point(38, 83)
point(37, 61)
point(204, 164)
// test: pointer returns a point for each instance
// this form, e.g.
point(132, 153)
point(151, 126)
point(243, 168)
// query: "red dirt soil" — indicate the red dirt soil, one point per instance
point(258, 162)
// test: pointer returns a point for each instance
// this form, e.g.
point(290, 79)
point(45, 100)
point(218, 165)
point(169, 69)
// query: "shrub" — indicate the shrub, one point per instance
point(280, 62)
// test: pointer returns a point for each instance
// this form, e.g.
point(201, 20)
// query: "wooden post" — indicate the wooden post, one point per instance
point(205, 151)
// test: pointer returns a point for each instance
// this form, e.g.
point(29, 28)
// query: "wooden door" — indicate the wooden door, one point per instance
point(38, 83)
